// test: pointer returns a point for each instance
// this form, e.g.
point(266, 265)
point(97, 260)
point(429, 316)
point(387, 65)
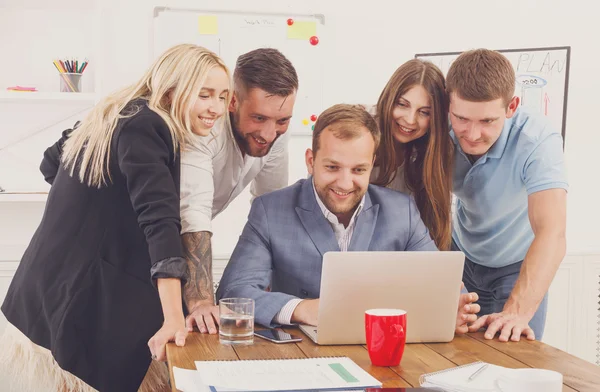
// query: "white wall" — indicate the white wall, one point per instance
point(367, 41)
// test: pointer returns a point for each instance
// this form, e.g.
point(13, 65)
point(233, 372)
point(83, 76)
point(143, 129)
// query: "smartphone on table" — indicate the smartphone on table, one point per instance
point(277, 336)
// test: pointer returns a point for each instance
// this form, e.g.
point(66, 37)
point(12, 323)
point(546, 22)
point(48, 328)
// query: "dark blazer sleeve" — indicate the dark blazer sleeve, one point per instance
point(144, 155)
point(51, 160)
point(248, 272)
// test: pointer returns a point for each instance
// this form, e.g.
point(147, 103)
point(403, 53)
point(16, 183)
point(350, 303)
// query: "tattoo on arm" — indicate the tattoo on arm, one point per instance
point(198, 254)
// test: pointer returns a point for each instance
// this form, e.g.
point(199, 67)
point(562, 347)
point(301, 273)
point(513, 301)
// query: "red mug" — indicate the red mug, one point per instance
point(386, 335)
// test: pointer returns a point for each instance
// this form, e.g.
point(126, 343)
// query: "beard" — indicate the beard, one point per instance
point(347, 206)
point(245, 142)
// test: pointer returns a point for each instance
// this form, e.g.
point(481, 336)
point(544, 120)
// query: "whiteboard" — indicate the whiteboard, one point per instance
point(542, 78)
point(232, 33)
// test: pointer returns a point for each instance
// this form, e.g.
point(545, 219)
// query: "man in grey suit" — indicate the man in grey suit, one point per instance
point(278, 258)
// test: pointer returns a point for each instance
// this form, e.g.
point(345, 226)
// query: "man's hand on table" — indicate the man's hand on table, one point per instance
point(205, 315)
point(467, 312)
point(510, 325)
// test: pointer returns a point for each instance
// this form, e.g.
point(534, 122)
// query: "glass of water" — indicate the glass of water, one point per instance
point(236, 321)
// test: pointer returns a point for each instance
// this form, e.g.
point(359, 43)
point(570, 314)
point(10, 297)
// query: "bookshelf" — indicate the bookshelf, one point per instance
point(46, 97)
point(48, 5)
point(40, 32)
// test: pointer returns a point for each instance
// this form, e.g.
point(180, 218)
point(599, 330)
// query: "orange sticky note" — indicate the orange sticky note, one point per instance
point(208, 25)
point(302, 30)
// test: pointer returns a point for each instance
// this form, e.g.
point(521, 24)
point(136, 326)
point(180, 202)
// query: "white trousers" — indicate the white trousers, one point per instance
point(32, 368)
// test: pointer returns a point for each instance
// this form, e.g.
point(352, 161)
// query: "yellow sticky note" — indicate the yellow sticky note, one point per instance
point(208, 25)
point(302, 30)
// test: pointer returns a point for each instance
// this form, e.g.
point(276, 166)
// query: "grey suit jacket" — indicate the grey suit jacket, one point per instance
point(286, 236)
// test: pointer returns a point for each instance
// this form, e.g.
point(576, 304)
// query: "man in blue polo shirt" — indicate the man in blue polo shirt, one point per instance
point(510, 184)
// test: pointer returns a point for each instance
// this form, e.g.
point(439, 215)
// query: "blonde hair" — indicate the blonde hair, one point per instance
point(481, 75)
point(171, 86)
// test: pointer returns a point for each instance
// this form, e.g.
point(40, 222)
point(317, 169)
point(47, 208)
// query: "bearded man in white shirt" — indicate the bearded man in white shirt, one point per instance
point(247, 147)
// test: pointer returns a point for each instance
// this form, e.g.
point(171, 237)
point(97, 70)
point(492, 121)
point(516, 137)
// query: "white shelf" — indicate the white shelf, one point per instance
point(23, 197)
point(17, 96)
point(84, 5)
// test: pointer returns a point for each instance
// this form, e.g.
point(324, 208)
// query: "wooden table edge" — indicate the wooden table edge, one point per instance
point(478, 337)
point(473, 336)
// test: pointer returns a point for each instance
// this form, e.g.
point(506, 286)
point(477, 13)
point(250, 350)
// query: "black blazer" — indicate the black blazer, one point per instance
point(84, 288)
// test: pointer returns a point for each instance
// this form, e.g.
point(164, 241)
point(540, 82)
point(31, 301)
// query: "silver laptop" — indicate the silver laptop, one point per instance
point(425, 284)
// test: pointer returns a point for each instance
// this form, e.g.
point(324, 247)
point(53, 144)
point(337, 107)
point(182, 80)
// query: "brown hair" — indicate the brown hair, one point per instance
point(427, 160)
point(267, 69)
point(346, 122)
point(481, 75)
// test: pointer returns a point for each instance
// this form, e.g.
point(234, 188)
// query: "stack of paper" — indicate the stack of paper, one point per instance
point(337, 373)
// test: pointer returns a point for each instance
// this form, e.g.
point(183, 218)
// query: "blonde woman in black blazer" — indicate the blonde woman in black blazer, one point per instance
point(97, 294)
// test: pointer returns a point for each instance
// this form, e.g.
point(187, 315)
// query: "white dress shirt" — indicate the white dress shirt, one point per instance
point(343, 236)
point(214, 172)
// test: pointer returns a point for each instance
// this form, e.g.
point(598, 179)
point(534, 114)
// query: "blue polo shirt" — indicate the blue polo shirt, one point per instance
point(490, 224)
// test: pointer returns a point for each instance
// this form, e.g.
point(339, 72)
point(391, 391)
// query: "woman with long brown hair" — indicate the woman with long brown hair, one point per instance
point(416, 153)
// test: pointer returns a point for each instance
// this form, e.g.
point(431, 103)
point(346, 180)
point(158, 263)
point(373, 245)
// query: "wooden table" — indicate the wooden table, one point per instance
point(579, 375)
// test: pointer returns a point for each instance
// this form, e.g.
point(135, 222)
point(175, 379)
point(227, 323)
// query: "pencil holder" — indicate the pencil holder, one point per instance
point(70, 82)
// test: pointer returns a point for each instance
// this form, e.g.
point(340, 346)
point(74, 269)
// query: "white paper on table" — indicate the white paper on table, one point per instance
point(285, 374)
point(187, 380)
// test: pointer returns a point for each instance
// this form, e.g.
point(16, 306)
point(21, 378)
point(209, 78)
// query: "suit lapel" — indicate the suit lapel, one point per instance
point(364, 226)
point(313, 220)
